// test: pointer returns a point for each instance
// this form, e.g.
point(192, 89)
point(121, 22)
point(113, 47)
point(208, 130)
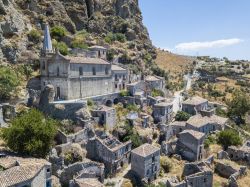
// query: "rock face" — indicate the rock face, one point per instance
point(98, 17)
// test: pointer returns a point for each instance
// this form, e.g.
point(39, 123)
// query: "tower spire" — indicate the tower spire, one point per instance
point(47, 42)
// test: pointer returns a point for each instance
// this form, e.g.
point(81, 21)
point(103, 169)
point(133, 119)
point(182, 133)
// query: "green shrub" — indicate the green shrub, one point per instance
point(209, 141)
point(111, 37)
point(26, 70)
point(166, 164)
point(132, 108)
point(132, 135)
point(9, 81)
point(90, 102)
point(58, 32)
point(72, 157)
point(79, 40)
point(34, 36)
point(156, 93)
point(110, 55)
point(63, 48)
point(124, 93)
point(182, 116)
point(120, 37)
point(229, 137)
point(30, 134)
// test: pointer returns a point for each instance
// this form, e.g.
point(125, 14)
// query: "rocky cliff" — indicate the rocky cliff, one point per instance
point(97, 17)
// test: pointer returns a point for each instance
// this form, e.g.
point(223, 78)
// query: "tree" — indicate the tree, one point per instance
point(58, 32)
point(229, 137)
point(238, 107)
point(30, 134)
point(182, 116)
point(8, 82)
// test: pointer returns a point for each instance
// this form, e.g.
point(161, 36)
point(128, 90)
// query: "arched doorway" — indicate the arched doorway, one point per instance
point(109, 103)
point(116, 101)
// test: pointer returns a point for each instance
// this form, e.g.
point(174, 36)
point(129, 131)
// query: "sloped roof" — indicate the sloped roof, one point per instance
point(19, 170)
point(195, 134)
point(145, 150)
point(86, 60)
point(199, 120)
point(152, 78)
point(196, 100)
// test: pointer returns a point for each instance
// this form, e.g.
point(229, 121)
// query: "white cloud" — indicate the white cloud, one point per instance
point(195, 46)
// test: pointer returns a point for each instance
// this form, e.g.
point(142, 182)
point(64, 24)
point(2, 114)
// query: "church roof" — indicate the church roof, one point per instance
point(86, 60)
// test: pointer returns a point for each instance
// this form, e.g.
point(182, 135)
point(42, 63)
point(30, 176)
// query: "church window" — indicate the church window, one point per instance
point(93, 71)
point(107, 70)
point(43, 65)
point(80, 71)
point(58, 71)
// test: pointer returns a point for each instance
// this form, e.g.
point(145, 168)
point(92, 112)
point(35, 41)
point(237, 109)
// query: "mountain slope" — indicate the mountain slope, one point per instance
point(97, 17)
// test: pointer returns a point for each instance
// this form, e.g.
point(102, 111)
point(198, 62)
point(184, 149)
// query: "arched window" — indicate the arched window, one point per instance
point(43, 65)
point(106, 70)
point(80, 71)
point(93, 71)
point(58, 71)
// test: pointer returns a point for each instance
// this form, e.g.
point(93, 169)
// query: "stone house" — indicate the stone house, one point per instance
point(155, 82)
point(145, 162)
point(206, 124)
point(110, 151)
point(155, 100)
point(163, 112)
point(196, 174)
point(240, 153)
point(190, 145)
point(86, 169)
point(21, 172)
point(194, 105)
point(120, 77)
point(105, 116)
point(178, 127)
point(75, 77)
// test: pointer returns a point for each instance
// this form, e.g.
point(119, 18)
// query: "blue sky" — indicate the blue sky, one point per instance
point(199, 27)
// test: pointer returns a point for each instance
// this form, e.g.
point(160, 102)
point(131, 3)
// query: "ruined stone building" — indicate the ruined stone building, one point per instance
point(240, 153)
point(110, 151)
point(21, 172)
point(206, 124)
point(145, 162)
point(163, 112)
point(105, 116)
point(195, 105)
point(178, 127)
point(79, 76)
point(190, 145)
point(196, 174)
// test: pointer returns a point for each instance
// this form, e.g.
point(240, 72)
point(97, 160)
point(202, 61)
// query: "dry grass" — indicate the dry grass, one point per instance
point(219, 181)
point(175, 64)
point(220, 86)
point(177, 169)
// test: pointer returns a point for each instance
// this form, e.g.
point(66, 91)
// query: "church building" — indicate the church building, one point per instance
point(79, 76)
